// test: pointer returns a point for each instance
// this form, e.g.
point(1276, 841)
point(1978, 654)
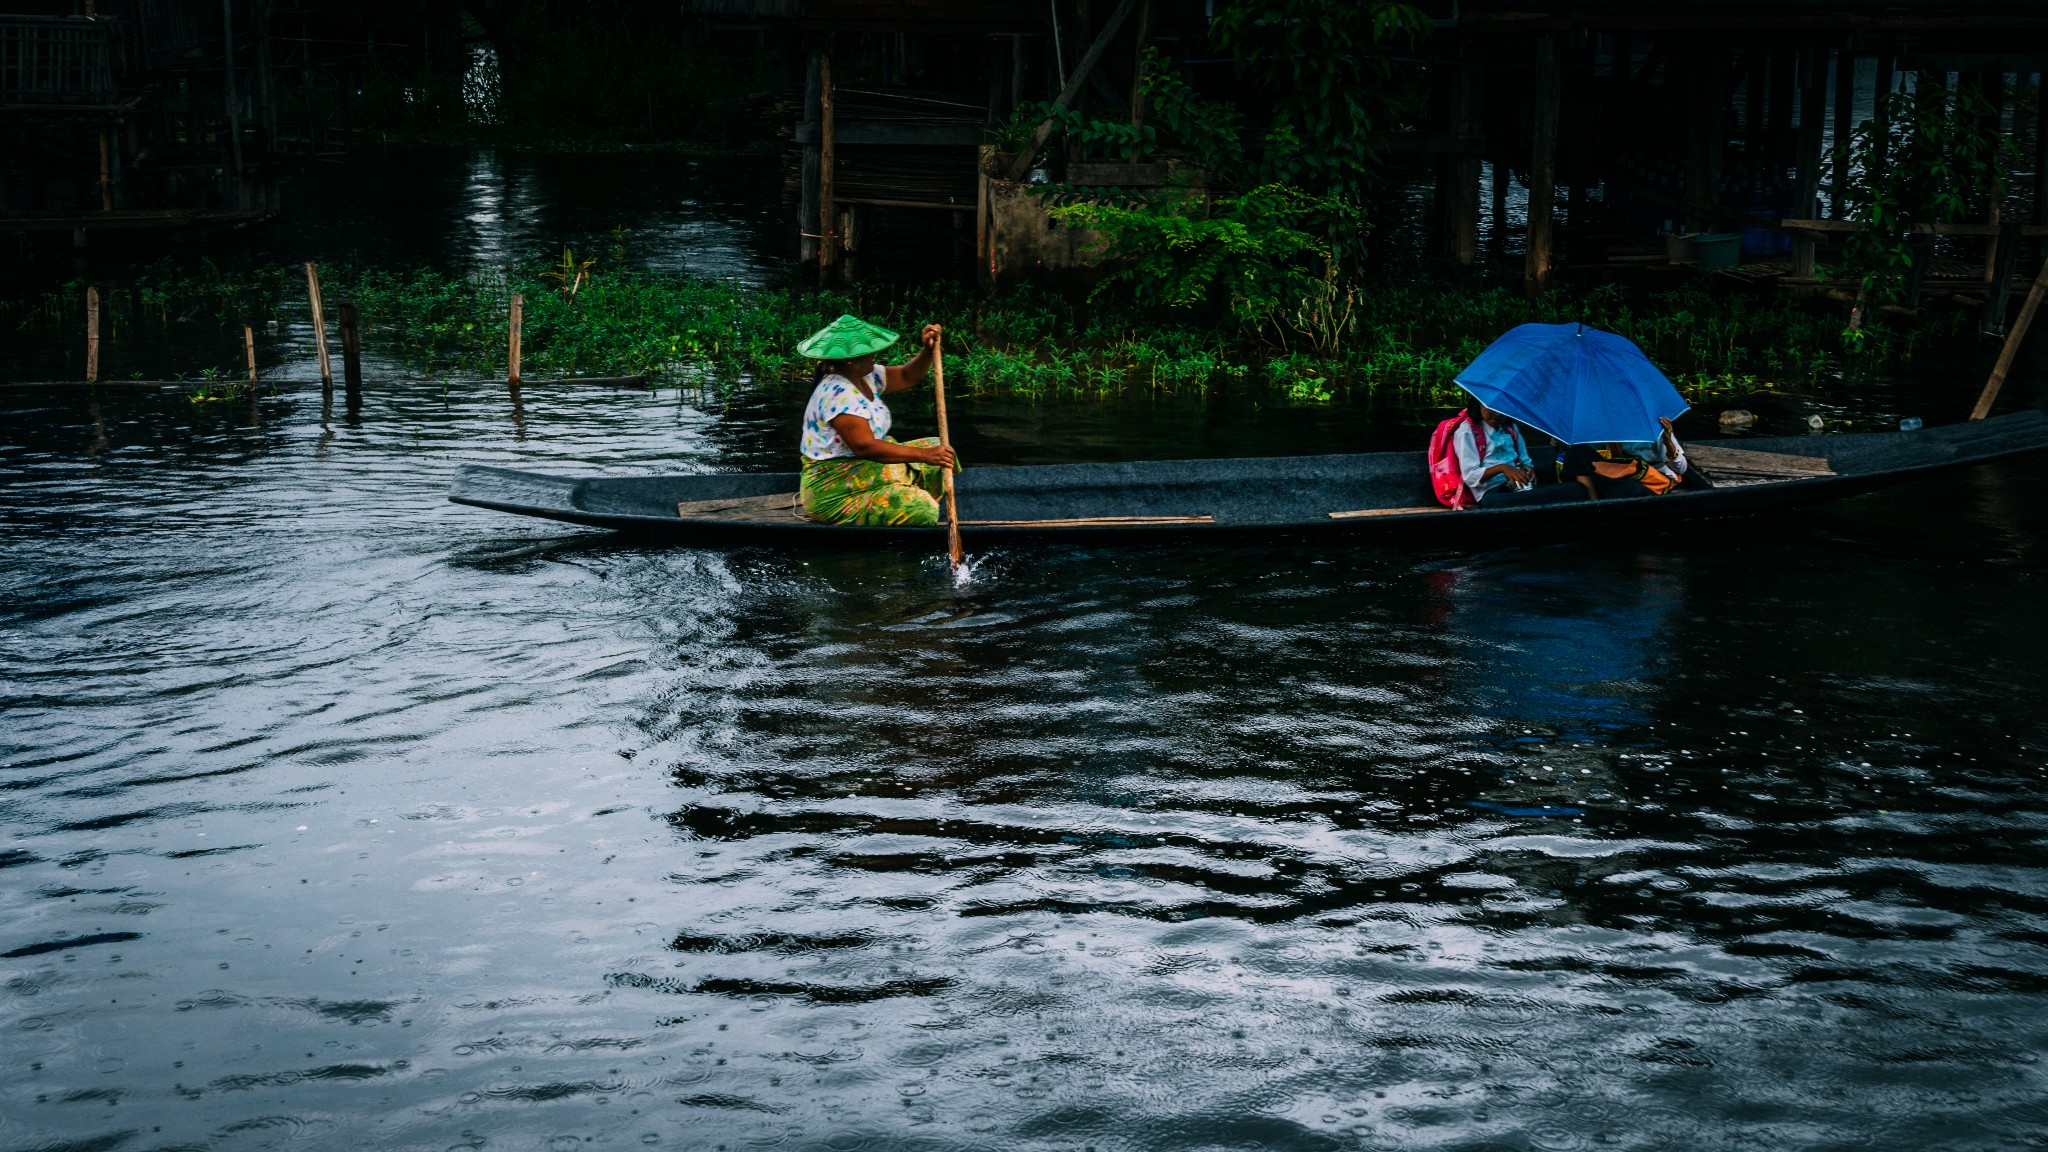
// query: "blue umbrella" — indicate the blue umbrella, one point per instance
point(1579, 384)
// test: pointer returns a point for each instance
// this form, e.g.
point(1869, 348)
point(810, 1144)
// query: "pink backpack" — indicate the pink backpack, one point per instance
point(1444, 474)
point(1445, 477)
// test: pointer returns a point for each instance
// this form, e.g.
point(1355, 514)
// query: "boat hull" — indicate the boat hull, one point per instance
point(1381, 494)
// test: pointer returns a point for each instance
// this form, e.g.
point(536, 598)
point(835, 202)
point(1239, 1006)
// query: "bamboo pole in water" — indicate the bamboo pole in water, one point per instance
point(953, 550)
point(2012, 346)
point(92, 335)
point(512, 352)
point(249, 347)
point(319, 325)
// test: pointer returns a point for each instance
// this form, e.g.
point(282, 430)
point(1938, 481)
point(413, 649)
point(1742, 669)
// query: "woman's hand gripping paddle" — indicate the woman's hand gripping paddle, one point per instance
point(953, 550)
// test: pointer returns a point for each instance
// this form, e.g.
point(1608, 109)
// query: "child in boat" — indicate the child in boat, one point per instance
point(1632, 468)
point(1495, 464)
point(853, 473)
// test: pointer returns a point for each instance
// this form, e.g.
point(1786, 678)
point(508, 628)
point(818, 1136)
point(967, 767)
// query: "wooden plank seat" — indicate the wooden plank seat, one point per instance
point(744, 509)
point(1740, 467)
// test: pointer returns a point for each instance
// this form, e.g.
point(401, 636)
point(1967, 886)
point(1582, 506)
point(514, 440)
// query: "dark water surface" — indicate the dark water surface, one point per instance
point(339, 816)
point(336, 816)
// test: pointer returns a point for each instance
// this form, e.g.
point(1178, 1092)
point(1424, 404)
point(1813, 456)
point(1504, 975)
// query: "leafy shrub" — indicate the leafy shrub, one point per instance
point(1264, 258)
point(1930, 157)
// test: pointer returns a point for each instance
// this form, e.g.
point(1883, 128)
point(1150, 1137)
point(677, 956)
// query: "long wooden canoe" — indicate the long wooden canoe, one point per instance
point(1373, 493)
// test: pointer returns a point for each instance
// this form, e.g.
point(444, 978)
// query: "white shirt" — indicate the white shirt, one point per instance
point(1503, 446)
point(837, 396)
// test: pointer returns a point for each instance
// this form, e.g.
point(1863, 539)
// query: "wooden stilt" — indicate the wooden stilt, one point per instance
point(1780, 137)
point(319, 325)
point(1466, 230)
point(1500, 209)
point(807, 213)
point(1756, 102)
point(106, 171)
point(512, 348)
point(1441, 225)
point(266, 90)
point(1707, 135)
point(92, 335)
point(1991, 85)
point(2012, 346)
point(2006, 248)
point(1143, 40)
point(1458, 172)
point(828, 212)
point(1880, 112)
point(1542, 168)
point(1845, 127)
point(249, 347)
point(1812, 117)
point(234, 102)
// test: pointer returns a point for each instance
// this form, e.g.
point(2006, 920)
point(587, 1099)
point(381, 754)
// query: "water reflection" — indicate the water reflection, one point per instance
point(338, 813)
point(1572, 638)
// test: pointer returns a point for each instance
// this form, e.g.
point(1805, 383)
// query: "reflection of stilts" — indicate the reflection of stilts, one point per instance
point(518, 411)
point(351, 358)
point(99, 429)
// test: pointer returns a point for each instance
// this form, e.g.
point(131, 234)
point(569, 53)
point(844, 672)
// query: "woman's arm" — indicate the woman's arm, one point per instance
point(1673, 454)
point(911, 373)
point(860, 436)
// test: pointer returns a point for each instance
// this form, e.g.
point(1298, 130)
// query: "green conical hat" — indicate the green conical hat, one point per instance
point(845, 338)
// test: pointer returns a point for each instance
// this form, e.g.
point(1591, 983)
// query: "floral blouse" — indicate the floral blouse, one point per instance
point(837, 396)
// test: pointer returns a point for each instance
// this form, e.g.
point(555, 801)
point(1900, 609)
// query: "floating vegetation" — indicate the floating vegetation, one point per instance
point(592, 318)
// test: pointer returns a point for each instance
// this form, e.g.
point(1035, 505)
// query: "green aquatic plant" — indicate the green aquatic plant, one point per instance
point(711, 336)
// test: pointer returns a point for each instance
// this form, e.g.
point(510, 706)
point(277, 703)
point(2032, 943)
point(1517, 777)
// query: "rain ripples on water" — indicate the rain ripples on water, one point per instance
point(336, 815)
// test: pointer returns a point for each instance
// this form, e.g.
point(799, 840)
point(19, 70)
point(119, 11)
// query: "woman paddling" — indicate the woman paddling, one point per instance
point(853, 473)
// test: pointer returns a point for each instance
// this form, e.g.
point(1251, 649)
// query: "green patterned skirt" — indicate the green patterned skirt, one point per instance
point(849, 490)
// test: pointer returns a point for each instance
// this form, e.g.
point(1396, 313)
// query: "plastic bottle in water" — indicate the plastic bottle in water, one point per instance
point(1910, 424)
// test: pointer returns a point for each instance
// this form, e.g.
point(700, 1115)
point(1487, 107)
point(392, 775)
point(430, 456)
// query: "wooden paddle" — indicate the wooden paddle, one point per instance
point(953, 550)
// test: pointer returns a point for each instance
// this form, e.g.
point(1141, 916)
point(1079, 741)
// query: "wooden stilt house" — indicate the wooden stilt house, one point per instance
point(1563, 134)
point(901, 99)
point(1624, 121)
point(137, 114)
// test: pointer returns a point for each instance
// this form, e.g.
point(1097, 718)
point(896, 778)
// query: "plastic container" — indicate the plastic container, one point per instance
point(1717, 250)
point(1678, 247)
